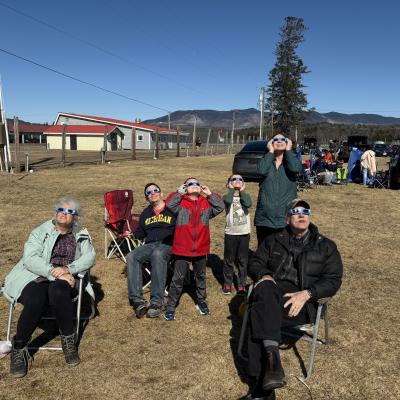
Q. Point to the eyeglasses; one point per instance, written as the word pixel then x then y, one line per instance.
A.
pixel 69 211
pixel 298 211
pixel 236 180
pixel 151 191
pixel 279 139
pixel 193 184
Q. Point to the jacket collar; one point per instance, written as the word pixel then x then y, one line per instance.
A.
pixel 284 236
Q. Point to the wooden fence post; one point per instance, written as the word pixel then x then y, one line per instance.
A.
pixel 133 143
pixel 63 140
pixel 157 152
pixel 16 142
pixel 208 140
pixel 178 142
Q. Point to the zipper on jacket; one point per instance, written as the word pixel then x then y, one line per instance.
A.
pixel 194 227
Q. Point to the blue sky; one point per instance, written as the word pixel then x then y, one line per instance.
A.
pixel 209 54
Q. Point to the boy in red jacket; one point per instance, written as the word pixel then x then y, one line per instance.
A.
pixel 193 205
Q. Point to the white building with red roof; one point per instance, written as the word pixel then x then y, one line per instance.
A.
pixel 145 134
pixel 84 137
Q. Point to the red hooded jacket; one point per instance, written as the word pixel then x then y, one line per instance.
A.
pixel 192 234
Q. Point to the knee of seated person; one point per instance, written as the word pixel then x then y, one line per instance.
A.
pixel 265 288
pixel 158 254
pixel 59 289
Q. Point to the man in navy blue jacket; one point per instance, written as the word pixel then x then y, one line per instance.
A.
pixel 156 230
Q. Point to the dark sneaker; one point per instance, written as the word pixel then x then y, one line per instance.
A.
pixel 203 308
pixel 140 310
pixel 169 316
pixel 227 289
pixel 154 311
pixel 241 291
pixel 68 344
pixel 19 362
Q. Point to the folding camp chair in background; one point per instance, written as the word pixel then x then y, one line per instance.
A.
pixel 118 220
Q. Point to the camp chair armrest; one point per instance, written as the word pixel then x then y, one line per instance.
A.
pixel 324 300
pixel 82 274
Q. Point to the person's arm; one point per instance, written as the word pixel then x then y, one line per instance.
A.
pixel 216 203
pixel 245 199
pixel 33 254
pixel 258 264
pixel 331 278
pixel 228 198
pixel 265 163
pixel 173 202
pixel 140 232
pixel 87 258
pixel 292 162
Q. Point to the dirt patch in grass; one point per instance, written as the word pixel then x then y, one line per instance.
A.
pixel 191 358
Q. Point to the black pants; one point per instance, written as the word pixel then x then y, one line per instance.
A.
pixel 36 297
pixel 265 231
pixel 181 266
pixel 267 318
pixel 236 252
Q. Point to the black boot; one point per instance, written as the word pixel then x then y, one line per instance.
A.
pixel 20 358
pixel 274 376
pixel 68 345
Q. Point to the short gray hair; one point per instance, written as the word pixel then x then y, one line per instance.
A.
pixel 73 203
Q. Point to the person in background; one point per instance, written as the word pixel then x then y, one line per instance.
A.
pixel 368 165
pixel 237 233
pixel 278 169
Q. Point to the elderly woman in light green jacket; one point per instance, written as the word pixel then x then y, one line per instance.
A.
pixel 54 254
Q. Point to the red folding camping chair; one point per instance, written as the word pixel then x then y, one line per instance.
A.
pixel 118 222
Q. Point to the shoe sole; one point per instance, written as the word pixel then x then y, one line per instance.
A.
pixel 169 319
pixel 226 293
pixel 153 315
pixel 274 385
pixel 201 312
pixel 73 364
pixel 18 375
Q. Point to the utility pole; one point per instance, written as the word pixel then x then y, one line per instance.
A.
pixel 208 140
pixel 169 120
pixel 105 143
pixel 157 151
pixel 262 108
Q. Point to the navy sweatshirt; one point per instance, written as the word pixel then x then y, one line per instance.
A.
pixel 153 228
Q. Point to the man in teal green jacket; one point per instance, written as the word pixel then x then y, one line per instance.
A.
pixel 54 254
pixel 279 168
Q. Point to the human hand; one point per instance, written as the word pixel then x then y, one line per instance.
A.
pixel 265 278
pixel 182 189
pixel 58 271
pixel 68 278
pixel 270 146
pixel 243 186
pixel 296 302
pixel 206 190
pixel 229 185
pixel 289 144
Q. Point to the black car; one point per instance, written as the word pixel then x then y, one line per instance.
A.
pixel 245 162
pixel 381 150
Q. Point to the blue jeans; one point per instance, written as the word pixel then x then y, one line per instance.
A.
pixel 366 179
pixel 158 254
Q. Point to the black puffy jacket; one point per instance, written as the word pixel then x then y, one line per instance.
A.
pixel 320 265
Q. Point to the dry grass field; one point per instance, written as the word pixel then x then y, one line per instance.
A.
pixel 193 357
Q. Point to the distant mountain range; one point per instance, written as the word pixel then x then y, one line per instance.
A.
pixel 250 117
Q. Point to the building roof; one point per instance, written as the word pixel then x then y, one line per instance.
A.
pixel 116 122
pixel 96 130
pixel 27 128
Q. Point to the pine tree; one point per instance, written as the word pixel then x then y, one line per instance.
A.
pixel 286 98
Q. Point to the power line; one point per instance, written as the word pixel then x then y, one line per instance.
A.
pixel 95 46
pixel 82 81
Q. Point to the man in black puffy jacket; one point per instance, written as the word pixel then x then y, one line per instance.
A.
pixel 291 270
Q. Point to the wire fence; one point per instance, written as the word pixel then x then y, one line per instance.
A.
pixel 34 156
